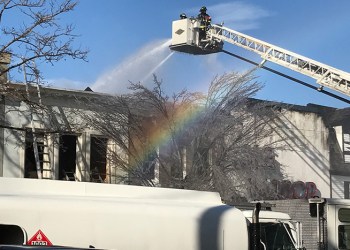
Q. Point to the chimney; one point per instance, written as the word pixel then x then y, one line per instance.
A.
pixel 5 59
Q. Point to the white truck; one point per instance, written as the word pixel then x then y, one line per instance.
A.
pixel 105 216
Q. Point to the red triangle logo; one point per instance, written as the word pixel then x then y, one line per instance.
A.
pixel 39 239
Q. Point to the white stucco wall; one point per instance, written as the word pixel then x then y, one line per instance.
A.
pixel 305 155
pixel 18 116
pixel 13 159
pixel 338 185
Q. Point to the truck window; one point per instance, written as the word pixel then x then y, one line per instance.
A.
pixel 12 235
pixel 344 236
pixel 344 214
pixel 275 236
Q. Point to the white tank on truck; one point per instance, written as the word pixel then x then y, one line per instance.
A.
pixel 105 216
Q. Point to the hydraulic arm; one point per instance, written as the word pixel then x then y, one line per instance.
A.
pixel 325 75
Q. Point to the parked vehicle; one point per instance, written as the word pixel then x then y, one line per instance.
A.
pixel 105 216
pixel 326 221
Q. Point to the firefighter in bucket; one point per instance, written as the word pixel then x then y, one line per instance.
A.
pixel 204 22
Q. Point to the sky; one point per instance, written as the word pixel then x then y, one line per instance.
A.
pixel 128 42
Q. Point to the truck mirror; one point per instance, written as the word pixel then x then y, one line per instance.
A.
pixel 313 204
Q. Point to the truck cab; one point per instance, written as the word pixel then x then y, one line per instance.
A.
pixel 277 230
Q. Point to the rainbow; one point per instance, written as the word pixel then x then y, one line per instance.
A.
pixel 164 130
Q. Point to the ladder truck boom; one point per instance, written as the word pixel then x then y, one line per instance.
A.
pixel 325 75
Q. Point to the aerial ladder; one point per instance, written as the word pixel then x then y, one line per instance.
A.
pixel 186 38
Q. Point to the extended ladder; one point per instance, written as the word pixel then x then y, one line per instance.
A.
pixel 42 156
pixel 325 75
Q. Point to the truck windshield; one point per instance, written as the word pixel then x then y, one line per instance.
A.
pixel 275 236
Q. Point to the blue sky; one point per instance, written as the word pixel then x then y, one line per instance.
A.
pixel 128 41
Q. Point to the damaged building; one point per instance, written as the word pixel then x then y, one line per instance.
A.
pixel 53 131
pixel 315 154
pixel 315 151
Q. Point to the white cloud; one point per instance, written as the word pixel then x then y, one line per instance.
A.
pixel 237 15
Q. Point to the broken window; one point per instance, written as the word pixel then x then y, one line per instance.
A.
pixel 346 141
pixel 148 165
pixel 67 157
pixel 98 159
pixel 30 169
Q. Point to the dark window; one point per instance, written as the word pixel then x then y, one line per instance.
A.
pixel 67 157
pixel 30 170
pixel 148 166
pixel 98 159
pixel 346 143
pixel 344 214
pixel 344 236
pixel 12 235
pixel 275 236
pixel 346 190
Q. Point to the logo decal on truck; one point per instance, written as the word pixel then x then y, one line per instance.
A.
pixel 39 239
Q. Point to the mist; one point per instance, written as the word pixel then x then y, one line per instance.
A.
pixel 139 67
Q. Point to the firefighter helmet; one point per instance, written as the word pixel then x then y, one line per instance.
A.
pixel 203 9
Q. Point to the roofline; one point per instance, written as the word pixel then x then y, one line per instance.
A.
pixel 62 91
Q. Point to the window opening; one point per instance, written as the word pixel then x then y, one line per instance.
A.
pixel 344 214
pixel 148 166
pixel 346 190
pixel 67 157
pixel 346 142
pixel 98 159
pixel 344 236
pixel 12 235
pixel 29 162
pixel 275 236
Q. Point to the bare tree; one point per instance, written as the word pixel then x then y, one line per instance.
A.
pixel 37 33
pixel 220 141
pixel 232 150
